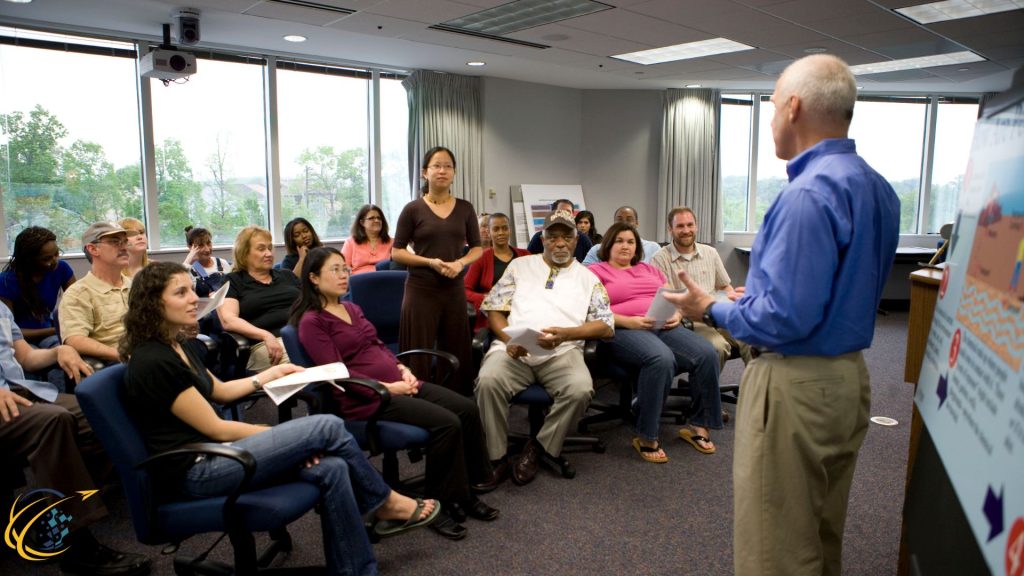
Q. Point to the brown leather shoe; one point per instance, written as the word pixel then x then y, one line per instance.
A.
pixel 525 466
pixel 499 473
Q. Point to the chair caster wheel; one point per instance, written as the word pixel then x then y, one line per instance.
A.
pixel 568 471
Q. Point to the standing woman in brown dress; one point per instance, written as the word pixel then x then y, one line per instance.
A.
pixel 437 226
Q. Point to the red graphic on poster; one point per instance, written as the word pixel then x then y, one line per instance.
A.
pixel 1015 549
pixel 954 349
pixel 944 284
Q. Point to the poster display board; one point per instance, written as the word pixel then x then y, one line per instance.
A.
pixel 532 202
pixel 971 389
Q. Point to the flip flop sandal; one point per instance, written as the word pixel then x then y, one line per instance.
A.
pixel 695 439
pixel 393 527
pixel 648 453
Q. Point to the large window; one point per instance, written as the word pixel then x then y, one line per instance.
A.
pixel 890 133
pixel 771 171
pixel 69 150
pixel 72 153
pixel 324 153
pixel 210 150
pixel 735 154
pixel 954 128
pixel 394 138
pixel 890 137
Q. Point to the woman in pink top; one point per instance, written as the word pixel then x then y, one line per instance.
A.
pixel 658 355
pixel 369 242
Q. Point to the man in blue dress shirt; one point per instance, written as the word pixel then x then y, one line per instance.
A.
pixel 817 269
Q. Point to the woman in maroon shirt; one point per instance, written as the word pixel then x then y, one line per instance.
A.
pixel 334 331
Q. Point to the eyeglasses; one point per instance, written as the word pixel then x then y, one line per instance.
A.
pixel 119 243
pixel 340 270
pixel 373 219
pixel 441 167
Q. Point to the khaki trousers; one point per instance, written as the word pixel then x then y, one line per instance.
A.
pixel 799 425
pixel 566 379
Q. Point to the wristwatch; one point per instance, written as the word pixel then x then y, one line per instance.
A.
pixel 256 384
pixel 708 318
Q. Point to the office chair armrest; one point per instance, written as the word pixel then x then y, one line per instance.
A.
pixel 482 341
pixel 453 362
pixel 243 457
pixel 372 433
pixel 95 363
pixel 210 343
pixel 590 352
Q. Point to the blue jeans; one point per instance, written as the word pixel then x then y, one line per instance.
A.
pixel 351 487
pixel 659 356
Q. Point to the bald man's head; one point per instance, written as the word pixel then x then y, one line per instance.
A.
pixel 825 86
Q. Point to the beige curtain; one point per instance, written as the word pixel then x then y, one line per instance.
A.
pixel 689 173
pixel 445 110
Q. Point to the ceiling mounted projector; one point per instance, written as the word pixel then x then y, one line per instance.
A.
pixel 167 64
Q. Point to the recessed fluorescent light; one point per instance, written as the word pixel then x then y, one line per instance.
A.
pixel 693 85
pixel 476 63
pixel 294 38
pixel 684 51
pixel 19 1
pixel 911 63
pixel 815 50
pixel 957 9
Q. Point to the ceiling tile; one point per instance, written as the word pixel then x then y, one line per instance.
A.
pixel 631 25
pixel 293 13
pixel 578 40
pixel 432 12
pixel 863 23
pixel 377 25
pixel 810 10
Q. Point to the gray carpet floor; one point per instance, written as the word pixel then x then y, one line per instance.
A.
pixel 620 515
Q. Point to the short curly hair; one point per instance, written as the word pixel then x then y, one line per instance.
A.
pixel 145 319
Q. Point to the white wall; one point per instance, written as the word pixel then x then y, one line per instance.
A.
pixel 621 143
pixel 531 136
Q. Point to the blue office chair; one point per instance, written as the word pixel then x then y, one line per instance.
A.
pixel 375 436
pixel 156 522
pixel 380 295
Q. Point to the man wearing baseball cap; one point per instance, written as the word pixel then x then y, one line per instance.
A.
pixel 92 309
pixel 558 297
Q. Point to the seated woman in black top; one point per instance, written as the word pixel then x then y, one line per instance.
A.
pixel 259 298
pixel 299 238
pixel 333 331
pixel 170 391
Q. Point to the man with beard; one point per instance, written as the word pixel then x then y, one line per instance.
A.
pixel 705 267
pixel 92 309
pixel 559 298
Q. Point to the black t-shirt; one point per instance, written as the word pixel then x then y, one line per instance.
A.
pixel 499 267
pixel 265 306
pixel 156 376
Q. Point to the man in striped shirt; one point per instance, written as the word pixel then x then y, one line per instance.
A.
pixel 704 265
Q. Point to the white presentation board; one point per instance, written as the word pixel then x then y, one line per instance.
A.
pixel 532 202
pixel 971 389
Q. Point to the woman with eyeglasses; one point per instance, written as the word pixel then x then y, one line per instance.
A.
pixel 138 246
pixel 31 283
pixel 332 330
pixel 169 392
pixel 369 242
pixel 437 225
